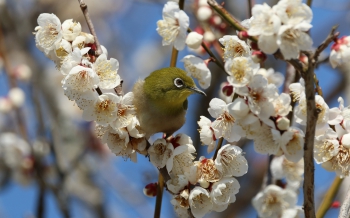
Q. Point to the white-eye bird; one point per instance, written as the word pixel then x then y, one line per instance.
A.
pixel 161 100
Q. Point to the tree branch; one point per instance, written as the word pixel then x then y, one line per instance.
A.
pixel 229 18
pixel 84 9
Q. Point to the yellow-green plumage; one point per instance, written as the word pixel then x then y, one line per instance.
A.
pixel 161 101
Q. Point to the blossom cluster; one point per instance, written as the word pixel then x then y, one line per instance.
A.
pixel 257 112
pixel 284 27
pixel 204 185
pixel 280 200
pixel 340 52
pixel 16 158
pixel 85 76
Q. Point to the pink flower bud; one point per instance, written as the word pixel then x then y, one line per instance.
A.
pixel 150 190
pixel 243 35
pixel 254 46
pixel 258 56
pixel 227 90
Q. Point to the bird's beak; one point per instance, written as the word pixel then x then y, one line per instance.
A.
pixel 195 89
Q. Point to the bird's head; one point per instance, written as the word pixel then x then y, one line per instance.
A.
pixel 170 86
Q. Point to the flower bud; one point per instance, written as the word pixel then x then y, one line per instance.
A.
pixel 303 58
pixel 254 45
pixel 209 36
pixel 243 35
pixel 202 3
pixel 150 190
pixel 23 72
pixel 194 40
pixel 203 183
pixel 215 20
pixel 204 13
pixel 5 105
pixel 345 140
pixel 258 56
pixel 16 96
pixel 283 123
pixel 227 89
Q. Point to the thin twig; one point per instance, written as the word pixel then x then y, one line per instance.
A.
pixel 173 59
pixel 229 18
pixel 211 54
pixel 159 198
pixel 250 6
pixel 84 9
pixel 218 148
pixel 309 3
pixel 328 197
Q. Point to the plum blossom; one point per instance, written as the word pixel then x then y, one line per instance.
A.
pixel 176 184
pixel 194 40
pixel 272 77
pixel 107 71
pixel 160 152
pixel 264 142
pixel 282 105
pixel 322 107
pixel 292 39
pixel 70 30
pixel 240 70
pixel 196 68
pixel 223 193
pixel 49 32
pixel 297 89
pixel 80 83
pixel 174 25
pixel 200 202
pixel 291 142
pixel 292 171
pixel 340 114
pixel 125 111
pixel 73 59
pixel 273 200
pixel 340 52
pixel 181 203
pixel 206 133
pixel 230 161
pixel 265 24
pixel 293 12
pixel 260 96
pixel 103 109
pixel 326 146
pixel 234 47
pixel 225 122
pixel 182 156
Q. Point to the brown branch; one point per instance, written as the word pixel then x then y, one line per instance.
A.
pixel 331 36
pixel 250 6
pixel 84 9
pixel 328 197
pixel 309 2
pixel 159 198
pixel 309 168
pixel 218 148
pixel 229 18
pixel 309 77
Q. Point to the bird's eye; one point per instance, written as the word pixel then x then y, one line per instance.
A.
pixel 178 82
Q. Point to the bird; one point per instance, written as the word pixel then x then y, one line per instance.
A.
pixel 160 100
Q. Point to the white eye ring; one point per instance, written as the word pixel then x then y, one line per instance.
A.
pixel 178 82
